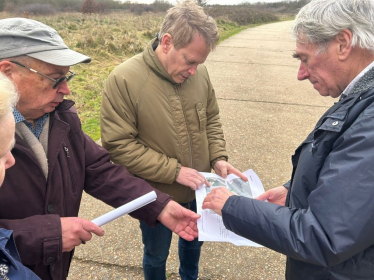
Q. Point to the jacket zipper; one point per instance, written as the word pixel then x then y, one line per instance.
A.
pixel 184 115
pixel 189 136
pixel 66 149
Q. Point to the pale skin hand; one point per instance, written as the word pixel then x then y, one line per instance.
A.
pixel 223 168
pixel 216 199
pixel 191 178
pixel 275 195
pixel 180 220
pixel 76 230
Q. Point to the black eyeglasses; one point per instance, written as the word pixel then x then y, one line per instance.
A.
pixel 57 82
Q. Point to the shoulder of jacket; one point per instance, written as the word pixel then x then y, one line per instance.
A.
pixel 134 66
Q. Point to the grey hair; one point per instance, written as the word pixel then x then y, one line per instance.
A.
pixel 185 20
pixel 8 96
pixel 320 21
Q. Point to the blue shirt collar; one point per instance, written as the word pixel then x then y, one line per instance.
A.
pixel 38 122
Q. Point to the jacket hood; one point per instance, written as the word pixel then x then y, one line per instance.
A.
pixel 154 63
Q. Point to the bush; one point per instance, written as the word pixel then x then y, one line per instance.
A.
pixel 138 9
pixel 89 7
pixel 161 6
pixel 242 14
pixel 37 9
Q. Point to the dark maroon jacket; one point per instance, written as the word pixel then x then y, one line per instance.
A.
pixel 32 206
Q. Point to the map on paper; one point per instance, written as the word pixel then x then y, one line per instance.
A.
pixel 210 225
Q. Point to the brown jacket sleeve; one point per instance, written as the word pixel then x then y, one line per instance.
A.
pixel 37 237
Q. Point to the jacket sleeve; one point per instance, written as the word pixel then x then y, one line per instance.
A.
pixel 119 136
pixel 339 222
pixel 114 185
pixel 217 143
pixel 38 238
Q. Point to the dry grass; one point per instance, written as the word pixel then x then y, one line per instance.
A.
pixel 108 39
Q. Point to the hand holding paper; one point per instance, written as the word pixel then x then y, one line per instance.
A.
pixel 76 231
pixel 211 227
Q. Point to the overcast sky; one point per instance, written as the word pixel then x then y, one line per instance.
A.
pixel 212 2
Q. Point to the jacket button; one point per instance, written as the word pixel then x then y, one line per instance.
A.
pixel 50 207
pixel 335 123
pixel 50 259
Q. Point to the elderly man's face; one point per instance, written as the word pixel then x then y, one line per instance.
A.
pixel 7 127
pixel 37 96
pixel 321 69
pixel 181 64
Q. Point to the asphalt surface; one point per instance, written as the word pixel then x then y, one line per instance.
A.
pixel 265 113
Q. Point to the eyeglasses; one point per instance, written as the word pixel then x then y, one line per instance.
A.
pixel 57 82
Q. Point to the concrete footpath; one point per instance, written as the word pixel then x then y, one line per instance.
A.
pixel 265 113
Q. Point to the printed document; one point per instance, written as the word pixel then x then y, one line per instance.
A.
pixel 210 225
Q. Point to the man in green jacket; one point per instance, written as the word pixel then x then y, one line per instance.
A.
pixel 160 119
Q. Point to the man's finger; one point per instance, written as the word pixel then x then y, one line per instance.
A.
pixel 238 173
pixel 263 196
pixel 91 227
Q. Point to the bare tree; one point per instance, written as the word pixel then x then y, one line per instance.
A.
pixel 202 3
pixel 89 7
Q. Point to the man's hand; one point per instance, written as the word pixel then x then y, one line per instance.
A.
pixel 276 195
pixel 216 199
pixel 76 231
pixel 180 220
pixel 223 168
pixel 191 178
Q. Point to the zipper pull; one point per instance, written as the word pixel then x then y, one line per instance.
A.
pixel 67 152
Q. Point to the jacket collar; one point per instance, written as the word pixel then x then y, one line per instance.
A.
pixel 66 104
pixel 154 63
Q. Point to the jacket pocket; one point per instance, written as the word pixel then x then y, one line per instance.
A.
pixel 201 113
pixel 333 125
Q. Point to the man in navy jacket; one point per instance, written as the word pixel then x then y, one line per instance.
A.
pixel 323 219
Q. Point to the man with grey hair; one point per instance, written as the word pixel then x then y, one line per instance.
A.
pixel 323 219
pixel 160 119
pixel 56 161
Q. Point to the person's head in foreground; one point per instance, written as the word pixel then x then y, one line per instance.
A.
pixel 334 42
pixel 8 99
pixel 36 59
pixel 186 38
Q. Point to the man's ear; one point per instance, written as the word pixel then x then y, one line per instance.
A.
pixel 344 43
pixel 6 68
pixel 166 43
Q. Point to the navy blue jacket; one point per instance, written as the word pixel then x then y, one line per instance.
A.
pixel 327 230
pixel 10 258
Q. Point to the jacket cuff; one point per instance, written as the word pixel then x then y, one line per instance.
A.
pixel 52 242
pixel 213 162
pixel 287 185
pixel 178 169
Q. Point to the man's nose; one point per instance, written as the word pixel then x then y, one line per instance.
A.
pixel 10 161
pixel 63 88
pixel 192 70
pixel 303 73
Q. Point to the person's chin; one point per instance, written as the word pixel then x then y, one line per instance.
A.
pixel 52 106
pixel 181 79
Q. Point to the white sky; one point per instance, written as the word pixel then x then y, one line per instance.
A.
pixel 212 2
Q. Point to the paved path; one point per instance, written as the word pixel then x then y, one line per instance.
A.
pixel 266 113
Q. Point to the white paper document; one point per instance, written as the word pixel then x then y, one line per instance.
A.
pixel 125 209
pixel 210 225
